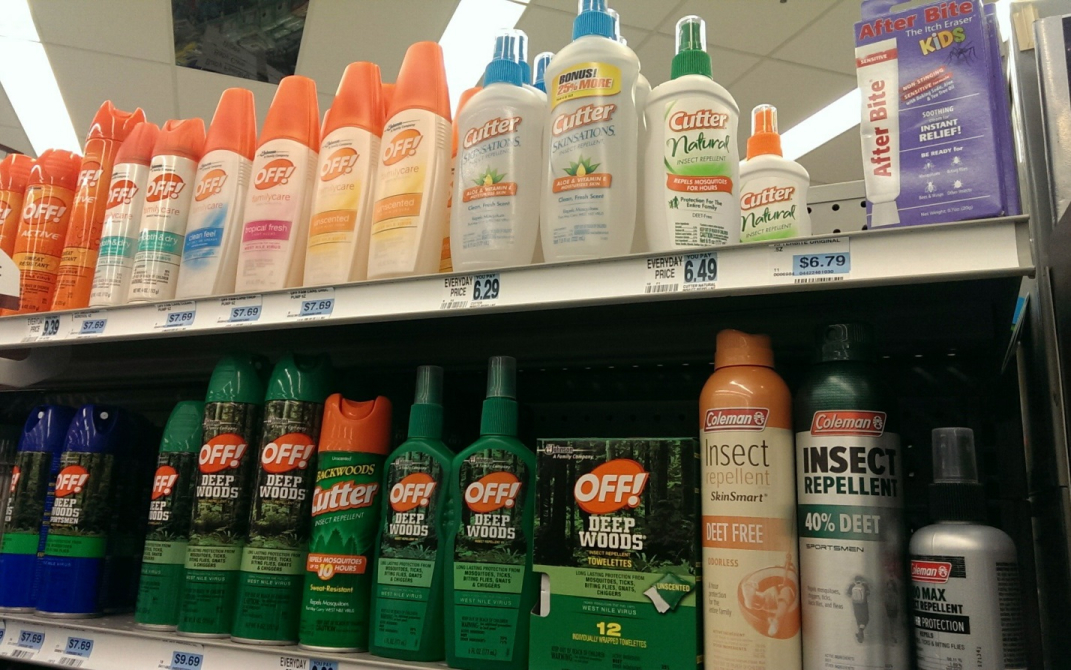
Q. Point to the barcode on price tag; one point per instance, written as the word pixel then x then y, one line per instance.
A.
pixel 88 324
pixel 811 261
pixel 663 274
pixel 244 309
pixel 42 328
pixel 316 303
pixel 175 315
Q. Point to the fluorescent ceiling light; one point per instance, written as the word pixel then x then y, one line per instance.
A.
pixel 30 83
pixel 1004 20
pixel 839 116
pixel 468 41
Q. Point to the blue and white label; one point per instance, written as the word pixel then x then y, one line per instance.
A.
pixel 78 646
pixel 205 238
pixel 700 271
pixel 88 324
pixel 317 303
pixel 239 310
pixel 185 660
pixel 175 315
pixel 317 664
pixel 31 639
pixel 810 261
pixel 486 290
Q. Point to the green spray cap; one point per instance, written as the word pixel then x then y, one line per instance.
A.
pixel 238 378
pixel 426 417
pixel 183 430
pixel 692 56
pixel 500 407
pixel 300 377
pixel 845 342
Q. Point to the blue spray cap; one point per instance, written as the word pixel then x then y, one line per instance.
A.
pixel 522 56
pixel 505 67
pixel 98 429
pixel 541 62
pixel 46 428
pixel 593 19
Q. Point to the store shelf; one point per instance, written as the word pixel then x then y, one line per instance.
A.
pixel 940 253
pixel 113 642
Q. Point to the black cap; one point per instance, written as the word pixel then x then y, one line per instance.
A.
pixel 844 342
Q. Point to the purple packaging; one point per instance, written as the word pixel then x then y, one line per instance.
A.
pixel 936 148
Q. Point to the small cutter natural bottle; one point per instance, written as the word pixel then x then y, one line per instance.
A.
pixel 965 585
pixel 489 583
pixel 14 176
pixel 773 189
pixel 692 160
pixel 407 597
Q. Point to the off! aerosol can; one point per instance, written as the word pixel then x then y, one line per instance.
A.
pixel 750 574
pixel 171 501
pixel 32 495
pixel 220 513
pixel 72 568
pixel 273 560
pixel 345 518
pixel 965 585
pixel 850 513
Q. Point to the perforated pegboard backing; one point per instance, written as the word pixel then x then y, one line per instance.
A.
pixel 837 208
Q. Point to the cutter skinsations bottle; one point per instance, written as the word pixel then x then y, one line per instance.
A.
pixel 965 587
pixel 342 207
pixel 413 176
pixel 224 486
pixel 692 161
pixel 446 260
pixel 109 130
pixel 495 220
pixel 14 176
pixel 122 219
pixel 407 613
pixel 277 207
pixel 849 486
pixel 490 586
pixel 340 568
pixel 750 573
pixel 210 249
pixel 167 207
pixel 591 140
pixel 173 485
pixel 272 576
pixel 773 190
pixel 46 211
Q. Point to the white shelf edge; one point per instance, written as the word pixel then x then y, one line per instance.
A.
pixel 921 254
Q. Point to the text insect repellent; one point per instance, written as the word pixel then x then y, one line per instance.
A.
pixel 14 176
pixel 495 213
pixel 109 130
pixel 413 177
pixel 773 189
pixel 214 227
pixel 167 207
pixel 342 206
pixel 591 140
pixel 407 596
pixel 692 160
pixel 278 205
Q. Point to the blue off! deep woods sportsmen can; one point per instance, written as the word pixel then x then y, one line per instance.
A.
pixel 26 517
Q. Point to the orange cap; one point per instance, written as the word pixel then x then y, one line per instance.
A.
pixel 294 113
pixel 764 137
pixel 137 147
pixel 737 348
pixel 181 137
pixel 57 167
pixel 358 101
pixel 15 172
pixel 386 94
pixel 234 125
pixel 350 425
pixel 422 81
pixel 114 124
pixel 465 97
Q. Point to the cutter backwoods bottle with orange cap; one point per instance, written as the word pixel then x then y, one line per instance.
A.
pixel 751 615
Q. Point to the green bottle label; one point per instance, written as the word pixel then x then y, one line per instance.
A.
pixel 409 545
pixel 29 490
pixel 82 512
pixel 273 564
pixel 220 518
pixel 490 552
pixel 338 572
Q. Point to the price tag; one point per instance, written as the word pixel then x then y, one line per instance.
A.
pixel 175 315
pixel 486 290
pixel 310 304
pixel 317 664
pixel 78 646
pixel 245 309
pixel 811 261
pixel 186 660
pixel 664 274
pixel 88 324
pixel 31 639
pixel 42 328
pixel 700 271
pixel 463 291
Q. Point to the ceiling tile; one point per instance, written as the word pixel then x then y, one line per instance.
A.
pixel 134 28
pixel 550 30
pixel 754 26
pixel 199 92
pixel 797 91
pixel 641 13
pixel 656 55
pixel 16 139
pixel 828 43
pixel 838 160
pixel 7 112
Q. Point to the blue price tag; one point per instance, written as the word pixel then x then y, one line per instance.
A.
pixel 700 269
pixel 317 664
pixel 184 660
pixel 486 288
pixel 822 263
pixel 93 327
pixel 322 307
pixel 245 314
pixel 79 646
pixel 184 318
pixel 31 639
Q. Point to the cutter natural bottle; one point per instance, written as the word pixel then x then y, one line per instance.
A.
pixel 349 153
pixel 446 260
pixel 773 190
pixel 489 582
pixel 495 218
pixel 14 176
pixel 109 130
pixel 591 140
pixel 407 613
pixel 122 219
pixel 964 573
pixel 168 197
pixel 213 230
pixel 277 207
pixel 341 567
pixel 413 176
pixel 692 166
pixel 173 486
pixel 750 564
